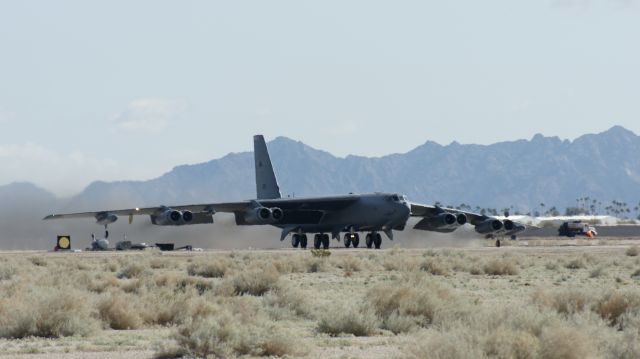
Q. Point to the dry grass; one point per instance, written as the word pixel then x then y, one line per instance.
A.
pixel 46 312
pixel 255 281
pixel 213 269
pixel 406 303
pixel 633 251
pixel 349 318
pixel 500 266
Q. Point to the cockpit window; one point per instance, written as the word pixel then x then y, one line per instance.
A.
pixel 395 197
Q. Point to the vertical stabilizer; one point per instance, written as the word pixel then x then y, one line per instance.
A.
pixel 266 183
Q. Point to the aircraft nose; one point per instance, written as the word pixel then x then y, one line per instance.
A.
pixel 405 210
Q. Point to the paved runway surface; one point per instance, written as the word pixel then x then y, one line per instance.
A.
pixel 603 231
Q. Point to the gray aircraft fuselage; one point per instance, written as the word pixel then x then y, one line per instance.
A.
pixel 368 212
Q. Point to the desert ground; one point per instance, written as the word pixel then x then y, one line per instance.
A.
pixel 539 298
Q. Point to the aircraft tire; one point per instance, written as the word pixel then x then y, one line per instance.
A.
pixel 303 241
pixel 355 241
pixel 295 241
pixel 325 241
pixel 317 241
pixel 347 241
pixel 514 237
pixel 368 241
pixel 377 240
pixel 498 243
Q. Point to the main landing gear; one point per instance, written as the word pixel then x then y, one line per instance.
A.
pixel 373 239
pixel 351 239
pixel 321 239
pixel 299 240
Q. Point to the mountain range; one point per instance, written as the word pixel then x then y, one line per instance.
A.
pixel 519 174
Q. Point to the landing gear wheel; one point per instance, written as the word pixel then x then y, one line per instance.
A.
pixel 498 243
pixel 303 241
pixel 368 241
pixel 295 241
pixel 325 241
pixel 347 240
pixel 377 240
pixel 514 237
pixel 317 241
pixel 355 240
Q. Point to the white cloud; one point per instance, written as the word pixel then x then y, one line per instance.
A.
pixel 62 173
pixel 149 115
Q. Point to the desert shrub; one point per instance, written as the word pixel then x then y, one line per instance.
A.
pixel 563 342
pixel 596 273
pixel 564 301
pixel 350 263
pixel 438 345
pixel 316 265
pixel 202 285
pixel 399 323
pixel 500 266
pixel 511 343
pixel 434 266
pixel 225 334
pixel 255 281
pixel 576 263
pixel 613 306
pixel 46 312
pixel 417 303
pixel 633 251
pixel 38 261
pixel 551 266
pixel 118 311
pixel 132 270
pixel 288 299
pixel 158 263
pixel 215 269
pixel 7 271
pixel 207 336
pixel 624 346
pixel 358 320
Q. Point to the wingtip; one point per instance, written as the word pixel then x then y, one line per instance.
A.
pixel 51 216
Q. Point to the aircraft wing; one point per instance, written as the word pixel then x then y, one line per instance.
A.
pixel 428 211
pixel 196 208
pixel 289 205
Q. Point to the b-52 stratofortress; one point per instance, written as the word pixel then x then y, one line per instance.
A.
pixel 321 216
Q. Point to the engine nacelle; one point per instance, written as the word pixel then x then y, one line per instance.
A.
pixel 105 218
pixel 263 215
pixel 169 217
pixel 508 225
pixel 277 214
pixel 461 218
pixel 187 216
pixel 443 220
pixel 489 225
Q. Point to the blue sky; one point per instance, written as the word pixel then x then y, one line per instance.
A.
pixel 129 89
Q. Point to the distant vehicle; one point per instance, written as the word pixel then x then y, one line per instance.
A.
pixel 577 228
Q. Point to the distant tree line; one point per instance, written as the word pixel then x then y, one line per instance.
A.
pixel 585 206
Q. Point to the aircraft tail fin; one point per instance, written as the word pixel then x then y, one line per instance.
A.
pixel 266 183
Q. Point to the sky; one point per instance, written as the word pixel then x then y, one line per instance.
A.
pixel 121 90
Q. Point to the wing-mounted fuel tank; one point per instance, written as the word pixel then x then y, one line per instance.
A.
pixel 259 215
pixel 444 222
pixel 171 217
pixel 489 225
